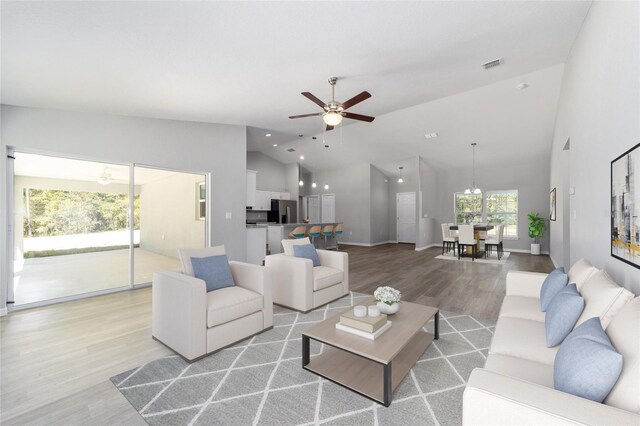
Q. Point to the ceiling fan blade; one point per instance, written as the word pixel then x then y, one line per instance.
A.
pixel 356 99
pixel 313 99
pixel 329 128
pixel 306 115
pixel 360 117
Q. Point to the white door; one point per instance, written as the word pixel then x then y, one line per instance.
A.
pixel 406 217
pixel 328 208
pixel 314 209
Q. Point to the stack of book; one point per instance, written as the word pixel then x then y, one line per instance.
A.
pixel 367 327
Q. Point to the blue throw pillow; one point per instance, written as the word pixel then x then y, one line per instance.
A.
pixel 214 270
pixel 554 282
pixel 587 365
pixel 563 313
pixel 308 251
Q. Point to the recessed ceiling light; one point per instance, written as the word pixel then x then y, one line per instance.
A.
pixel 302 157
pixel 522 86
pixel 431 135
pixel 275 144
pixel 268 135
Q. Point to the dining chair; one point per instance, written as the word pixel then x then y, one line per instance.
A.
pixel 448 241
pixel 466 239
pixel 493 241
pixel 501 236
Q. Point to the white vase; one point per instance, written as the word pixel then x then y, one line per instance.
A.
pixel 535 249
pixel 388 309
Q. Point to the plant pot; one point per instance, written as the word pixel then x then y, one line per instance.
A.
pixel 535 249
pixel 388 309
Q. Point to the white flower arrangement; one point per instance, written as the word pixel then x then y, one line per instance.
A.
pixel 388 295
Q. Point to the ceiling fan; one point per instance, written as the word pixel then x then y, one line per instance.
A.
pixel 335 111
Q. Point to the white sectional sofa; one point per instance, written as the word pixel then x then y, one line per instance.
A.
pixel 516 384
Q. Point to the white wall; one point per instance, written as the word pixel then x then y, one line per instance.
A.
pixel 429 231
pixel 599 110
pixel 189 146
pixel 271 173
pixel 353 199
pixel 168 214
pixel 379 208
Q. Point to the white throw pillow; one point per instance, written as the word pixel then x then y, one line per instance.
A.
pixel 602 298
pixel 187 254
pixel 623 331
pixel 580 272
pixel 287 245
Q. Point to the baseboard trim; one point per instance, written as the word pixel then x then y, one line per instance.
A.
pixel 426 247
pixel 524 251
pixel 347 243
pixel 3 312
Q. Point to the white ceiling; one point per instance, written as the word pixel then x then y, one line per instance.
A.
pixel 247 62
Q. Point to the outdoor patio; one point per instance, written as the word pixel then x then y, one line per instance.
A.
pixel 52 277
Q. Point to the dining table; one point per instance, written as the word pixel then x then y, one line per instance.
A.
pixel 476 235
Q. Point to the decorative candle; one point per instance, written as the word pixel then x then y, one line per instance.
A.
pixel 374 311
pixel 360 311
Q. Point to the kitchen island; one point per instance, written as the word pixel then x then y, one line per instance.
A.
pixel 279 232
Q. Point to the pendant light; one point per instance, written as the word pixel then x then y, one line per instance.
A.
pixel 400 180
pixel 474 189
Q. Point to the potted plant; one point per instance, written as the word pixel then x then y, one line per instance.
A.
pixel 537 226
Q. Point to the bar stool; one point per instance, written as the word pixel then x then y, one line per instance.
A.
pixel 338 230
pixel 314 232
pixel 298 232
pixel 327 231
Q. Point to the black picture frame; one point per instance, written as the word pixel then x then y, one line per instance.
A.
pixel 625 193
pixel 552 202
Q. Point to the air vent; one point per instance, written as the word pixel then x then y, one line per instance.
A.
pixel 291 150
pixel 492 64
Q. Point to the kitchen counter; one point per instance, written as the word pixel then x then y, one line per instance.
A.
pixel 280 231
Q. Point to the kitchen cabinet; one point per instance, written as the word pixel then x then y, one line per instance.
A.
pixel 251 188
pixel 280 196
pixel 263 200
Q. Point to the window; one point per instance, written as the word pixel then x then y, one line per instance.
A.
pixel 491 207
pixel 468 208
pixel 201 201
pixel 502 209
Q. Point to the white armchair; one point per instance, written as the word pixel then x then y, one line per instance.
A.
pixel 195 323
pixel 299 285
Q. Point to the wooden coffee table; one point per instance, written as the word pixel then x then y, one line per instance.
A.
pixel 371 368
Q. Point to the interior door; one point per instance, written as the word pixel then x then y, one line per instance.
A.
pixel 328 208
pixel 406 217
pixel 314 209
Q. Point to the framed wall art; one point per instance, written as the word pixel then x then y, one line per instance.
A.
pixel 625 192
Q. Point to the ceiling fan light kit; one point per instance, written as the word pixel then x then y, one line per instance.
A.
pixel 335 111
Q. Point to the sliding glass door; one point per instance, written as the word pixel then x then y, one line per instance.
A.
pixel 85 227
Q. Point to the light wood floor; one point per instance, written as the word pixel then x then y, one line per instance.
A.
pixel 56 361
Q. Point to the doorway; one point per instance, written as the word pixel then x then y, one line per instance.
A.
pixel 328 208
pixel 314 209
pixel 406 217
pixel 87 227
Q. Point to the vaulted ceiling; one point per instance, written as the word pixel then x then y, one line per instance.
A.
pixel 247 62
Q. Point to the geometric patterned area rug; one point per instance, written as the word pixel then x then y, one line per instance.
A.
pixel 260 380
pixel 493 259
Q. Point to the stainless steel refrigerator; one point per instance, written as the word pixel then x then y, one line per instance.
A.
pixel 283 211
